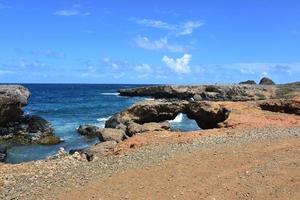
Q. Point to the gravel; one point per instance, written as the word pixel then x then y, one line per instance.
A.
pixel 38 180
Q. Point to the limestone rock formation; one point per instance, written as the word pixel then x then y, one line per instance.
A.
pixel 12 99
pixel 2 154
pixel 279 105
pixel 18 128
pixel 110 134
pixel 200 92
pixel 206 114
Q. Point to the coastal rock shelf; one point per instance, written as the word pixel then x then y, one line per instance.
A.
pixel 279 105
pixel 206 114
pixel 204 92
pixel 149 116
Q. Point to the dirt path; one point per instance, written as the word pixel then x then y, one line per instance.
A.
pixel 262 170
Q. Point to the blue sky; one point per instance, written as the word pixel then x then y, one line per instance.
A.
pixel 134 41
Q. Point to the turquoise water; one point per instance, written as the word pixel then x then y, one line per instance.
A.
pixel 66 106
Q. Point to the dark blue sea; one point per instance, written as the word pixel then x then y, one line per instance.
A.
pixel 66 106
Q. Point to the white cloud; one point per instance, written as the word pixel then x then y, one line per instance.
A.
pixel 49 53
pixel 180 65
pixel 160 45
pixel 188 28
pixel 185 28
pixel 73 11
pixel 143 68
pixel 154 23
pixel 4 72
pixel 110 63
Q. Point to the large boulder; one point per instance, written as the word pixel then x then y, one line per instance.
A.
pixel 12 99
pixel 88 130
pixel 266 81
pixel 97 150
pixel 135 128
pixel 111 134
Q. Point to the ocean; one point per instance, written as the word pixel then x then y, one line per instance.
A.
pixel 66 106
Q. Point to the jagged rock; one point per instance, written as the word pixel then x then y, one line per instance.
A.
pixel 110 134
pixel 135 128
pixel 2 154
pixel 201 92
pixel 88 130
pixel 280 105
pixel 29 130
pixel 266 81
pixel 12 99
pixel 248 82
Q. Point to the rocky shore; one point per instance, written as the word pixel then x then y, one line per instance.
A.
pixel 17 128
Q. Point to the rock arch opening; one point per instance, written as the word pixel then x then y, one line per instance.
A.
pixel 182 123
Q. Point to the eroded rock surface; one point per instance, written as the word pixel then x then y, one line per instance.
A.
pixel 12 99
pixel 17 128
pixel 282 105
pixel 206 114
pixel 202 92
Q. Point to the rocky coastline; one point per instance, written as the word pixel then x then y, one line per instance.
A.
pixel 17 128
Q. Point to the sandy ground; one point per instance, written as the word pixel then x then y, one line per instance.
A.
pixel 263 170
pixel 255 155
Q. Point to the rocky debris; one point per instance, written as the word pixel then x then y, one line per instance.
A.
pixel 12 99
pixel 248 82
pixel 135 128
pixel 201 92
pixel 110 134
pixel 266 81
pixel 280 105
pixel 98 150
pixel 2 154
pixel 88 130
pixel 206 114
pixel 29 130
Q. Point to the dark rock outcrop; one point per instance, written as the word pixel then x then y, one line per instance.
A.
pixel 88 130
pixel 283 106
pixel 18 128
pixel 29 130
pixel 248 82
pixel 2 154
pixel 266 81
pixel 201 92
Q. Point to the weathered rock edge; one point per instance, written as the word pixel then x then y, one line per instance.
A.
pixel 243 92
pixel 16 128
pixel 281 105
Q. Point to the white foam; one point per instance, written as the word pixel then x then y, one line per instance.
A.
pixel 111 93
pixel 103 119
pixel 177 119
